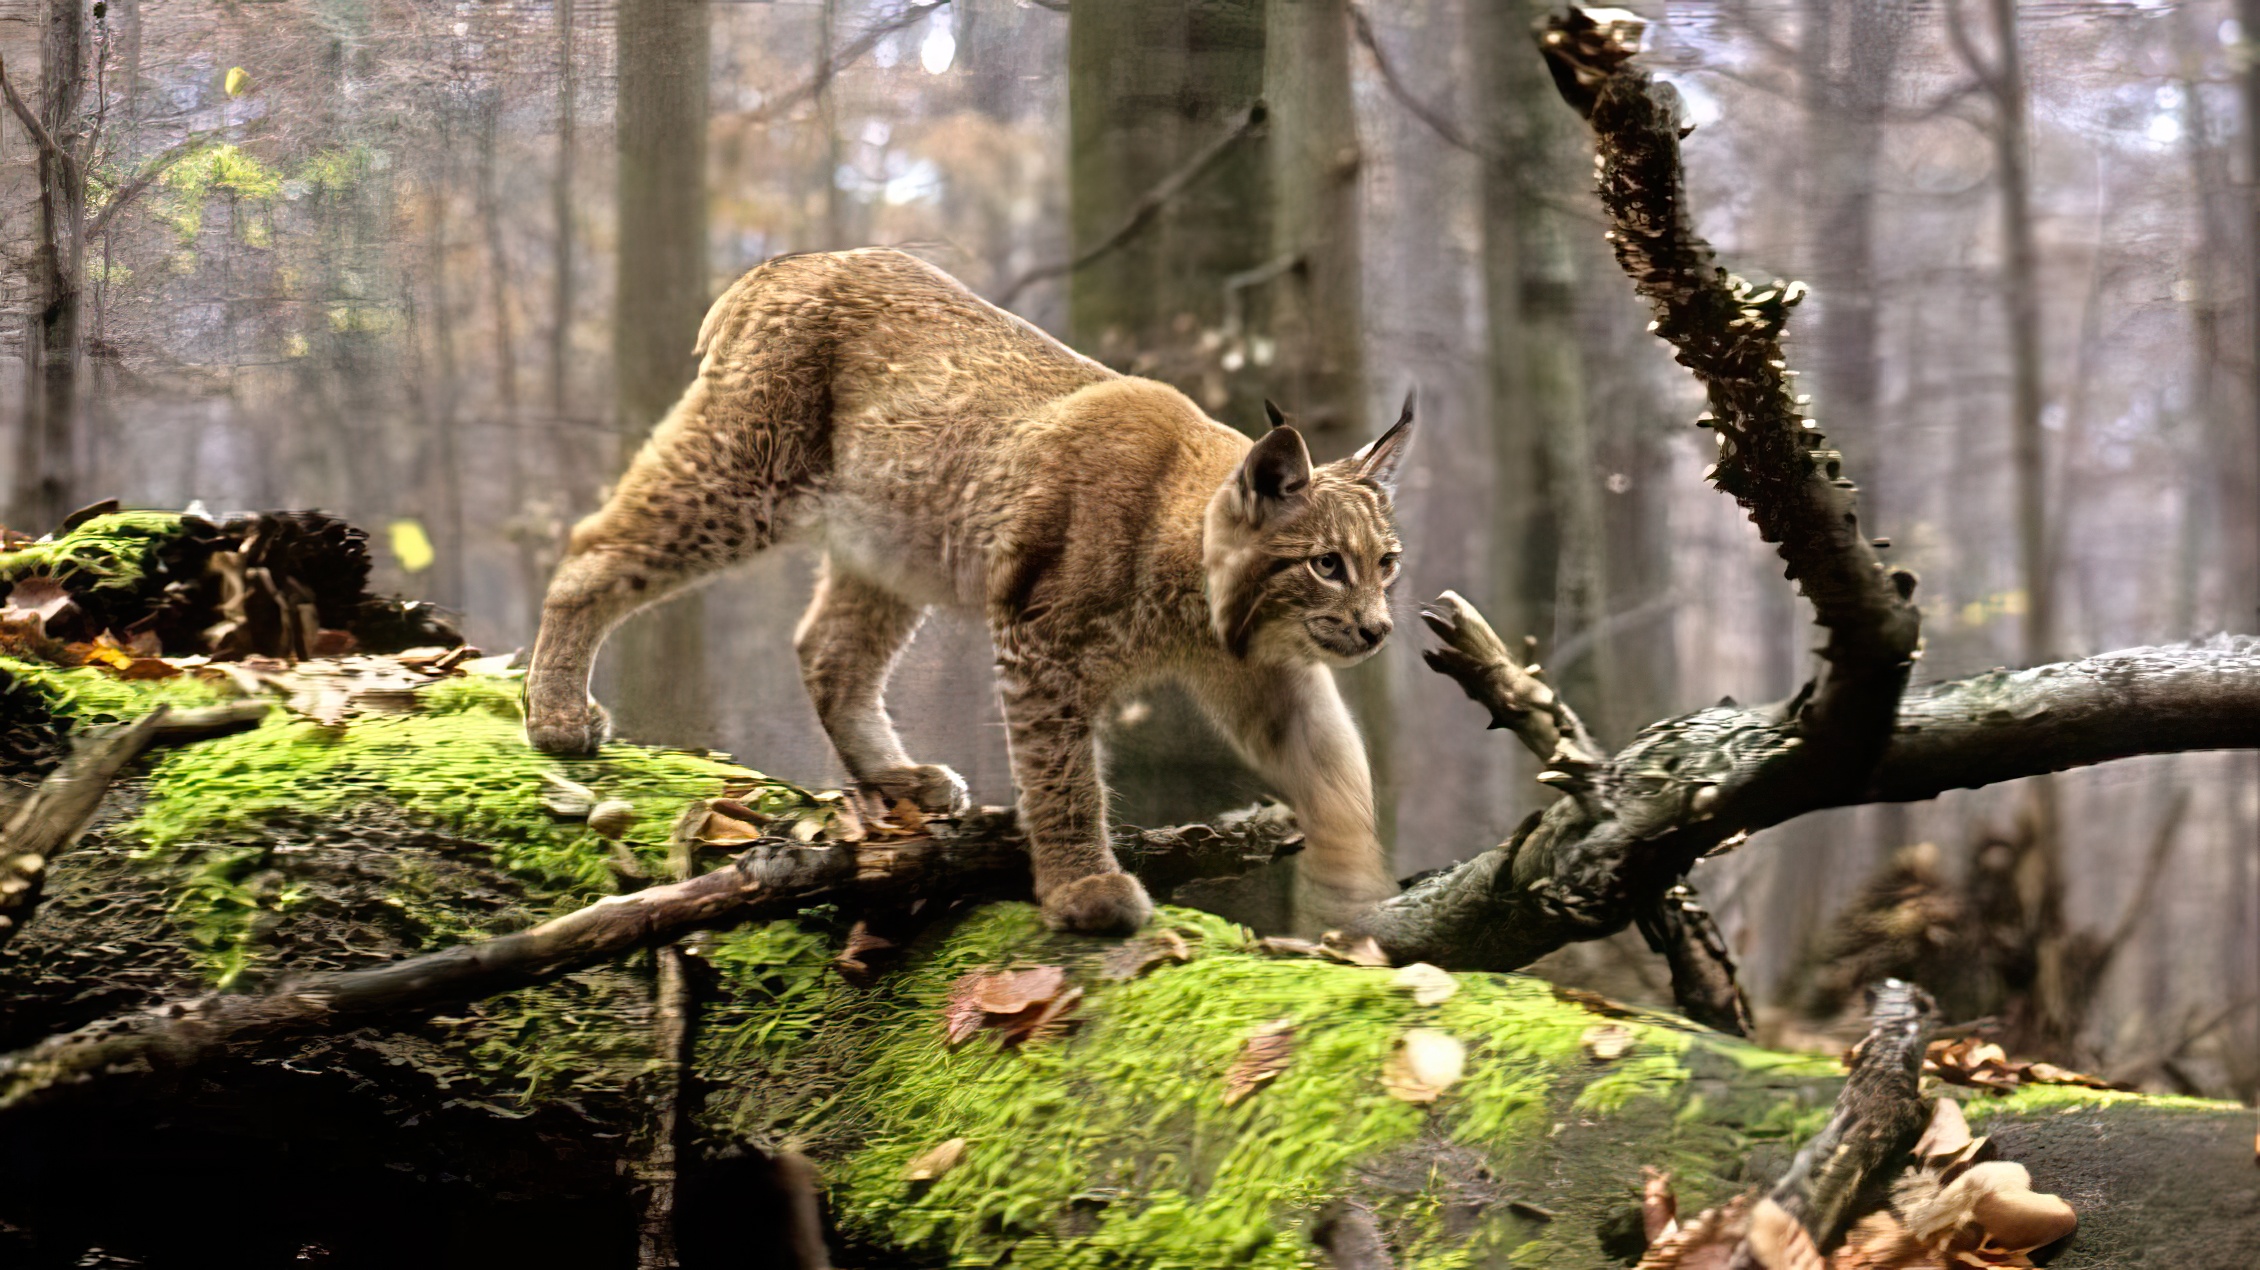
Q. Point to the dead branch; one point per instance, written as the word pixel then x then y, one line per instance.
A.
pixel 848 56
pixel 1684 786
pixel 40 137
pixel 1438 122
pixel 142 180
pixel 1144 208
pixel 1846 1171
pixel 1517 694
pixel 45 824
pixel 1702 967
pixel 1728 332
pixel 983 857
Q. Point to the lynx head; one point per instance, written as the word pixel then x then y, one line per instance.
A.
pixel 1300 558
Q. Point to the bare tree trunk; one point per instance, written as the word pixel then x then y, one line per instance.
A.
pixel 1317 314
pixel 661 292
pixel 1546 568
pixel 561 213
pixel 47 475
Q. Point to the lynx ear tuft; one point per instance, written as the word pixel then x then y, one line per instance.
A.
pixel 1272 412
pixel 1277 469
pixel 1379 460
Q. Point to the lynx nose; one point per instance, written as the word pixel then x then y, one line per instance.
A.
pixel 1374 632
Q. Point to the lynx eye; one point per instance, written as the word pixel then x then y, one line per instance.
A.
pixel 1388 567
pixel 1328 567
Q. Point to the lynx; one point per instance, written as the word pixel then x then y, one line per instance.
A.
pixel 941 451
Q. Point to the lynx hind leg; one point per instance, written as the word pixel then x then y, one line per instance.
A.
pixel 848 642
pixel 1062 802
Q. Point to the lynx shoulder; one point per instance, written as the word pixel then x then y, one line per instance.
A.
pixel 940 451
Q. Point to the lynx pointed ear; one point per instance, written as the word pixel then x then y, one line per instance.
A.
pixel 1276 469
pixel 1272 412
pixel 1379 460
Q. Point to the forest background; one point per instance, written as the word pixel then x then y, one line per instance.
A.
pixel 436 267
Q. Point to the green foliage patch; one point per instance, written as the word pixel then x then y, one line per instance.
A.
pixel 112 552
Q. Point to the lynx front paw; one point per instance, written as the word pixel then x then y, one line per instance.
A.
pixel 1101 904
pixel 930 787
pixel 564 734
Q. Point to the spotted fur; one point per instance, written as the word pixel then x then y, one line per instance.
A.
pixel 941 451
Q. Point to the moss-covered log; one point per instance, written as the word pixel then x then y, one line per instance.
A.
pixel 511 1128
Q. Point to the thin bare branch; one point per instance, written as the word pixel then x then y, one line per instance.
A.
pixel 39 135
pixel 848 56
pixel 1438 122
pixel 143 179
pixel 1144 209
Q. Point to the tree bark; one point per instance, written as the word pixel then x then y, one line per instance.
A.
pixel 661 291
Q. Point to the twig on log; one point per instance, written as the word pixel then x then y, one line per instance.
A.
pixel 45 824
pixel 1142 210
pixel 1846 1171
pixel 983 857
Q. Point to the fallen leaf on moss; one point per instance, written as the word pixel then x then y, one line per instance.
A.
pixel 1135 957
pixel 1018 1003
pixel 727 830
pixel 1984 1065
pixel 1429 985
pixel 1425 1064
pixel 1266 1053
pixel 859 960
pixel 1606 1042
pixel 1779 1242
pixel 1289 946
pixel 1946 1144
pixel 935 1161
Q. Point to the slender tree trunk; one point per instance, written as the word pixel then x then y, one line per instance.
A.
pixel 443 471
pixel 1546 548
pixel 2042 869
pixel 1317 314
pixel 47 476
pixel 1150 83
pixel 660 294
pixel 561 214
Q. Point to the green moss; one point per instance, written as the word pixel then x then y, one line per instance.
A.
pixel 88 694
pixel 106 553
pixel 2040 1100
pixel 1114 1147
pixel 459 763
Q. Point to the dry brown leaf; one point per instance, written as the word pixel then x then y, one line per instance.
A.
pixel 1362 951
pixel 1425 1064
pixel 935 1161
pixel 1135 957
pixel 1429 985
pixel 727 830
pixel 1982 1064
pixel 1707 1242
pixel 1042 1019
pixel 907 817
pixel 1607 1042
pixel 149 668
pixel 1266 1053
pixel 1779 1241
pixel 1659 1207
pixel 1019 1003
pixel 859 960
pixel 1946 1143
pixel 1990 1210
pixel 37 598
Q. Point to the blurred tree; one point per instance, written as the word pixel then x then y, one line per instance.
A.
pixel 660 293
pixel 1317 310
